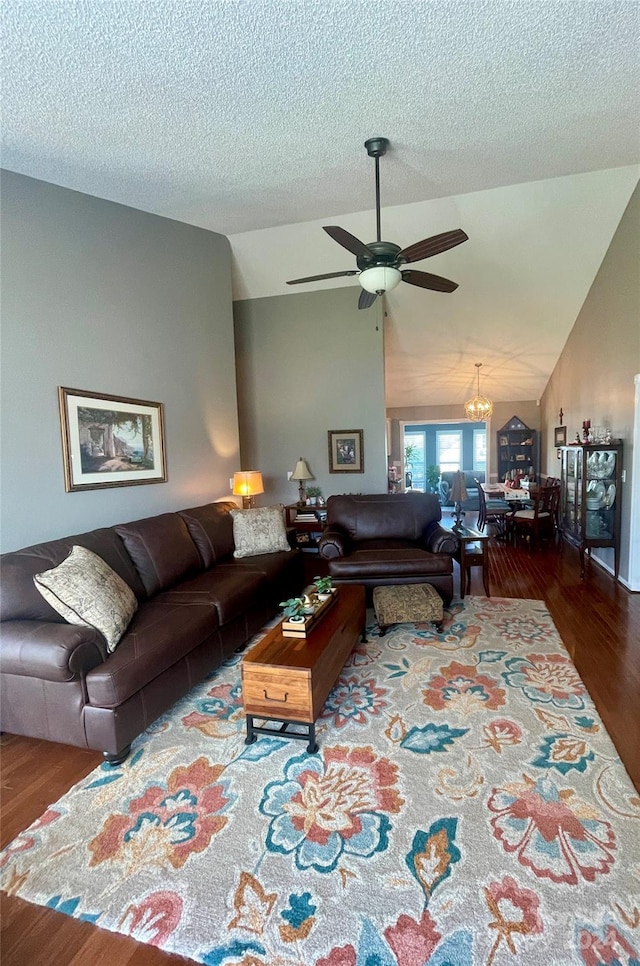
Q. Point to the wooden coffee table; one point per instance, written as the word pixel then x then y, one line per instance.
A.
pixel 287 679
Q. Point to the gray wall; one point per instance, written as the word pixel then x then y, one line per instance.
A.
pixel 308 363
pixel 102 297
pixel 594 376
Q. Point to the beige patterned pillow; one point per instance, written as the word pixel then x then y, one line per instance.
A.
pixel 260 530
pixel 85 590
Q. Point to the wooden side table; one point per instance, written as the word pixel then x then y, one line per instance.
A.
pixel 307 531
pixel 472 552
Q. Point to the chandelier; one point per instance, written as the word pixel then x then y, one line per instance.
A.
pixel 479 408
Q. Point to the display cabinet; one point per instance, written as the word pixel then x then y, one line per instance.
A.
pixel 518 451
pixel 590 498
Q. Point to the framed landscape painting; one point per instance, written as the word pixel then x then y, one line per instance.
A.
pixel 110 440
pixel 346 451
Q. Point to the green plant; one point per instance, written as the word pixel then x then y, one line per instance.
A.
pixel 314 492
pixel 322 584
pixel 410 454
pixel 294 607
pixel 431 478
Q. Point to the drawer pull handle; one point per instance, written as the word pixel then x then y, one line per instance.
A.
pixel 279 700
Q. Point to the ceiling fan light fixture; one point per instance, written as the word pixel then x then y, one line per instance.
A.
pixel 379 279
pixel 479 408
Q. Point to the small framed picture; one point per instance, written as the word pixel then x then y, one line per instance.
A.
pixel 504 440
pixel 110 440
pixel 560 436
pixel 346 451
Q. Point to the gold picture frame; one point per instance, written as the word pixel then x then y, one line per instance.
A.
pixel 110 440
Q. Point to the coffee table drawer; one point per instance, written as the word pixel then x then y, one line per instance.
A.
pixel 277 693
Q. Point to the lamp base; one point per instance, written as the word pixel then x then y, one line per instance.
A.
pixel 459 513
pixel 248 503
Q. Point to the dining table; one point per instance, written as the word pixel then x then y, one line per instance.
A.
pixel 504 492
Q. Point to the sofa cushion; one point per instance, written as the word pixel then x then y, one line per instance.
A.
pixel 85 590
pixel 19 599
pixel 159 636
pixel 211 529
pixel 232 591
pixel 161 549
pixel 260 530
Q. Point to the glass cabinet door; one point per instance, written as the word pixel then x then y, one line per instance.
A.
pixel 600 494
pixel 571 496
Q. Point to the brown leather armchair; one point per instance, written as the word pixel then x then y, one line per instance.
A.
pixel 388 538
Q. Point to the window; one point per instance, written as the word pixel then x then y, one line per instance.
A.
pixel 414 460
pixel 480 449
pixel 449 450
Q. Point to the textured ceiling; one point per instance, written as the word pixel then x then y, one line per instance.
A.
pixel 240 116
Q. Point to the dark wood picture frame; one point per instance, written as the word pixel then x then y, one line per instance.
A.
pixel 560 436
pixel 110 440
pixel 346 451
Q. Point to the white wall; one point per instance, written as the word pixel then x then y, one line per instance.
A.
pixel 308 363
pixel 102 297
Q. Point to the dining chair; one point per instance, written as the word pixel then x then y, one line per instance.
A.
pixel 492 511
pixel 538 522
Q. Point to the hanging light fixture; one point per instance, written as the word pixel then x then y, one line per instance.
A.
pixel 479 408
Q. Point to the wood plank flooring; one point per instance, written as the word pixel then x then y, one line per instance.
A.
pixel 598 620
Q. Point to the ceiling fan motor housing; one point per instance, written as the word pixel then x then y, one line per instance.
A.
pixel 379 272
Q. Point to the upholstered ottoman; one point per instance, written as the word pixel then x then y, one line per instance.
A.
pixel 407 604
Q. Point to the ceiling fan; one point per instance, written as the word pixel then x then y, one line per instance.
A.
pixel 380 263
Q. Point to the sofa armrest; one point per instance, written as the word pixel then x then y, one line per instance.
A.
pixel 334 542
pixel 437 539
pixel 51 651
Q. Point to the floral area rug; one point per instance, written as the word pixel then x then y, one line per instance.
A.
pixel 466 806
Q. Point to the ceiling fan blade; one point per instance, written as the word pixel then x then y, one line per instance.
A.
pixel 426 280
pixel 366 299
pixel 434 245
pixel 317 278
pixel 347 240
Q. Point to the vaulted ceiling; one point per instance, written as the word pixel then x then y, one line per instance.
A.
pixel 517 122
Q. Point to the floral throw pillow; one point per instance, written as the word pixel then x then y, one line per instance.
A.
pixel 85 590
pixel 260 530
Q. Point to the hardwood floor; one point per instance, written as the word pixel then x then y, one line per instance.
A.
pixel 598 620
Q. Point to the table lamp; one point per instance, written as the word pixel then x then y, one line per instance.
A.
pixel 247 484
pixel 300 475
pixel 458 494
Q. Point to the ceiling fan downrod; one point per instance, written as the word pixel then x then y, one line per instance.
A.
pixel 377 148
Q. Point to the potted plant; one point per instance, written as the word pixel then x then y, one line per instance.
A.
pixel 410 456
pixel 293 609
pixel 313 492
pixel 323 586
pixel 431 478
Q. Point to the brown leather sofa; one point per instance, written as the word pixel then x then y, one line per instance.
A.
pixel 197 604
pixel 384 538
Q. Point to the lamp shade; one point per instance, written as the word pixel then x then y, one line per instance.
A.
pixel 459 489
pixel 379 279
pixel 247 483
pixel 302 471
